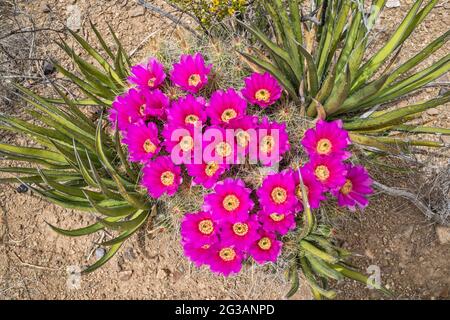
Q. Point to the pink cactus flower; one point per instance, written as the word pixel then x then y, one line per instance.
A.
pixel 142 141
pixel 277 193
pixel 149 75
pixel 261 89
pixel 161 176
pixel 225 106
pixel 191 73
pixel 266 248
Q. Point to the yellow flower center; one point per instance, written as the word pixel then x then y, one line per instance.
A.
pixel 186 143
pixel 347 187
pixel 322 173
pixel 262 95
pixel 277 217
pixel 228 114
pixel 149 146
pixel 167 178
pixel 324 146
pixel 223 149
pixel 267 144
pixel 227 254
pixel 142 110
pixel 211 168
pixel 240 229
pixel 243 138
pixel 265 243
pixel 298 192
pixel 191 119
pixel 151 82
pixel 279 195
pixel 206 227
pixel 230 202
pixel 206 246
pixel 194 79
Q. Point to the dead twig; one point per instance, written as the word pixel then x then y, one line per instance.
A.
pixel 409 196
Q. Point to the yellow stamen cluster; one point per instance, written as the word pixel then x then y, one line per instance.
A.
pixel 262 95
pixel 227 254
pixel 324 146
pixel 240 229
pixel 194 79
pixel 191 119
pixel 206 227
pixel 243 138
pixel 265 243
pixel 347 187
pixel 186 143
pixel 211 168
pixel 277 217
pixel 149 146
pixel 228 114
pixel 322 173
pixel 230 202
pixel 223 149
pixel 267 144
pixel 167 178
pixel 279 195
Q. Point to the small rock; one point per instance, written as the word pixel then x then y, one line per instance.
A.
pixel 48 68
pixel 393 3
pixel 129 254
pixel 22 188
pixel 125 275
pixel 46 8
pixel 162 274
pixel 446 139
pixel 369 254
pixel 99 253
pixel 433 112
pixel 73 18
pixel 137 12
pixel 443 91
pixel 443 234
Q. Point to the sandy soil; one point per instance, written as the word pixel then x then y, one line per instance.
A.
pixel 35 262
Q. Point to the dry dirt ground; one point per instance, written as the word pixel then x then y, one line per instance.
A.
pixel 35 262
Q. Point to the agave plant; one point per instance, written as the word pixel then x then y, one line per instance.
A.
pixel 78 164
pixel 319 59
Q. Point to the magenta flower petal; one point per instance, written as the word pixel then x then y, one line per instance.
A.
pixel 314 188
pixel 266 248
pixel 225 106
pixel 280 223
pixel 273 142
pixel 241 234
pixel 191 73
pixel 329 171
pixel 219 146
pixel 327 139
pixel 187 111
pixel 120 114
pixel 199 228
pixel 156 104
pixel 225 259
pixel 246 136
pixel 142 141
pixel 277 193
pixel 357 186
pixel 161 176
pixel 198 254
pixel 148 76
pixel 230 201
pixel 261 89
pixel 206 174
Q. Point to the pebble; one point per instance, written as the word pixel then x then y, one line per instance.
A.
pixel 73 18
pixel 45 8
pixel 433 112
pixel 125 275
pixel 393 3
pixel 162 274
pixel 48 68
pixel 99 253
pixel 137 12
pixel 443 234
